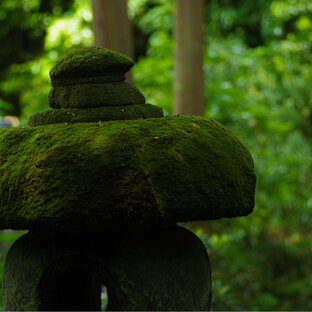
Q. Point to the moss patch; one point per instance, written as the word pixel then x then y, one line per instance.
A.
pixel 104 113
pixel 95 95
pixel 122 173
pixel 88 80
pixel 90 62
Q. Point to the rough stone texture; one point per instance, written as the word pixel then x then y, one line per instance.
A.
pixel 143 271
pixel 89 62
pixel 95 95
pixel 92 77
pixel 122 173
pixel 104 113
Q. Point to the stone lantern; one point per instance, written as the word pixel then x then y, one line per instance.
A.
pixel 100 182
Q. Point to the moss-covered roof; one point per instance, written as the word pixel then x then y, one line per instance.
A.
pixel 89 62
pixel 122 173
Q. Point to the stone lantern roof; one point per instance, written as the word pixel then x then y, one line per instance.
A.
pixel 102 158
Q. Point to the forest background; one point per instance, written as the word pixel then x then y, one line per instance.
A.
pixel 258 78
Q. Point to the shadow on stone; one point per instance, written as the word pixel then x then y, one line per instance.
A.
pixel 165 269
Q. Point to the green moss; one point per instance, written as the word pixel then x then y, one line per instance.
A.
pixel 95 95
pixel 88 80
pixel 122 173
pixel 90 62
pixel 105 113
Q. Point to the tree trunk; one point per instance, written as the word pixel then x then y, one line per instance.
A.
pixel 112 28
pixel 188 73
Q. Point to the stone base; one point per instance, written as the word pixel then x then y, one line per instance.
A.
pixel 165 269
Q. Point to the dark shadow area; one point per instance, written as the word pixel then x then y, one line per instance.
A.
pixel 72 284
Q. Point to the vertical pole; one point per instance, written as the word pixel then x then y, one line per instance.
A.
pixel 188 72
pixel 112 28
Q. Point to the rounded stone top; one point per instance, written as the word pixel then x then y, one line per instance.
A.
pixel 118 174
pixel 88 85
pixel 92 64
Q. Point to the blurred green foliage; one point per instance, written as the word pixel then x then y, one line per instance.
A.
pixel 33 35
pixel 258 73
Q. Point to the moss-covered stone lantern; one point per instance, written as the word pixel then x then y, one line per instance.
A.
pixel 100 182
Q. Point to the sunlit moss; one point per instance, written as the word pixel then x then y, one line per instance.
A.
pixel 89 62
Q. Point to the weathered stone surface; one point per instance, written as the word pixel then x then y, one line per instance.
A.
pixel 105 113
pixel 122 173
pixel 92 77
pixel 89 62
pixel 151 270
pixel 95 95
